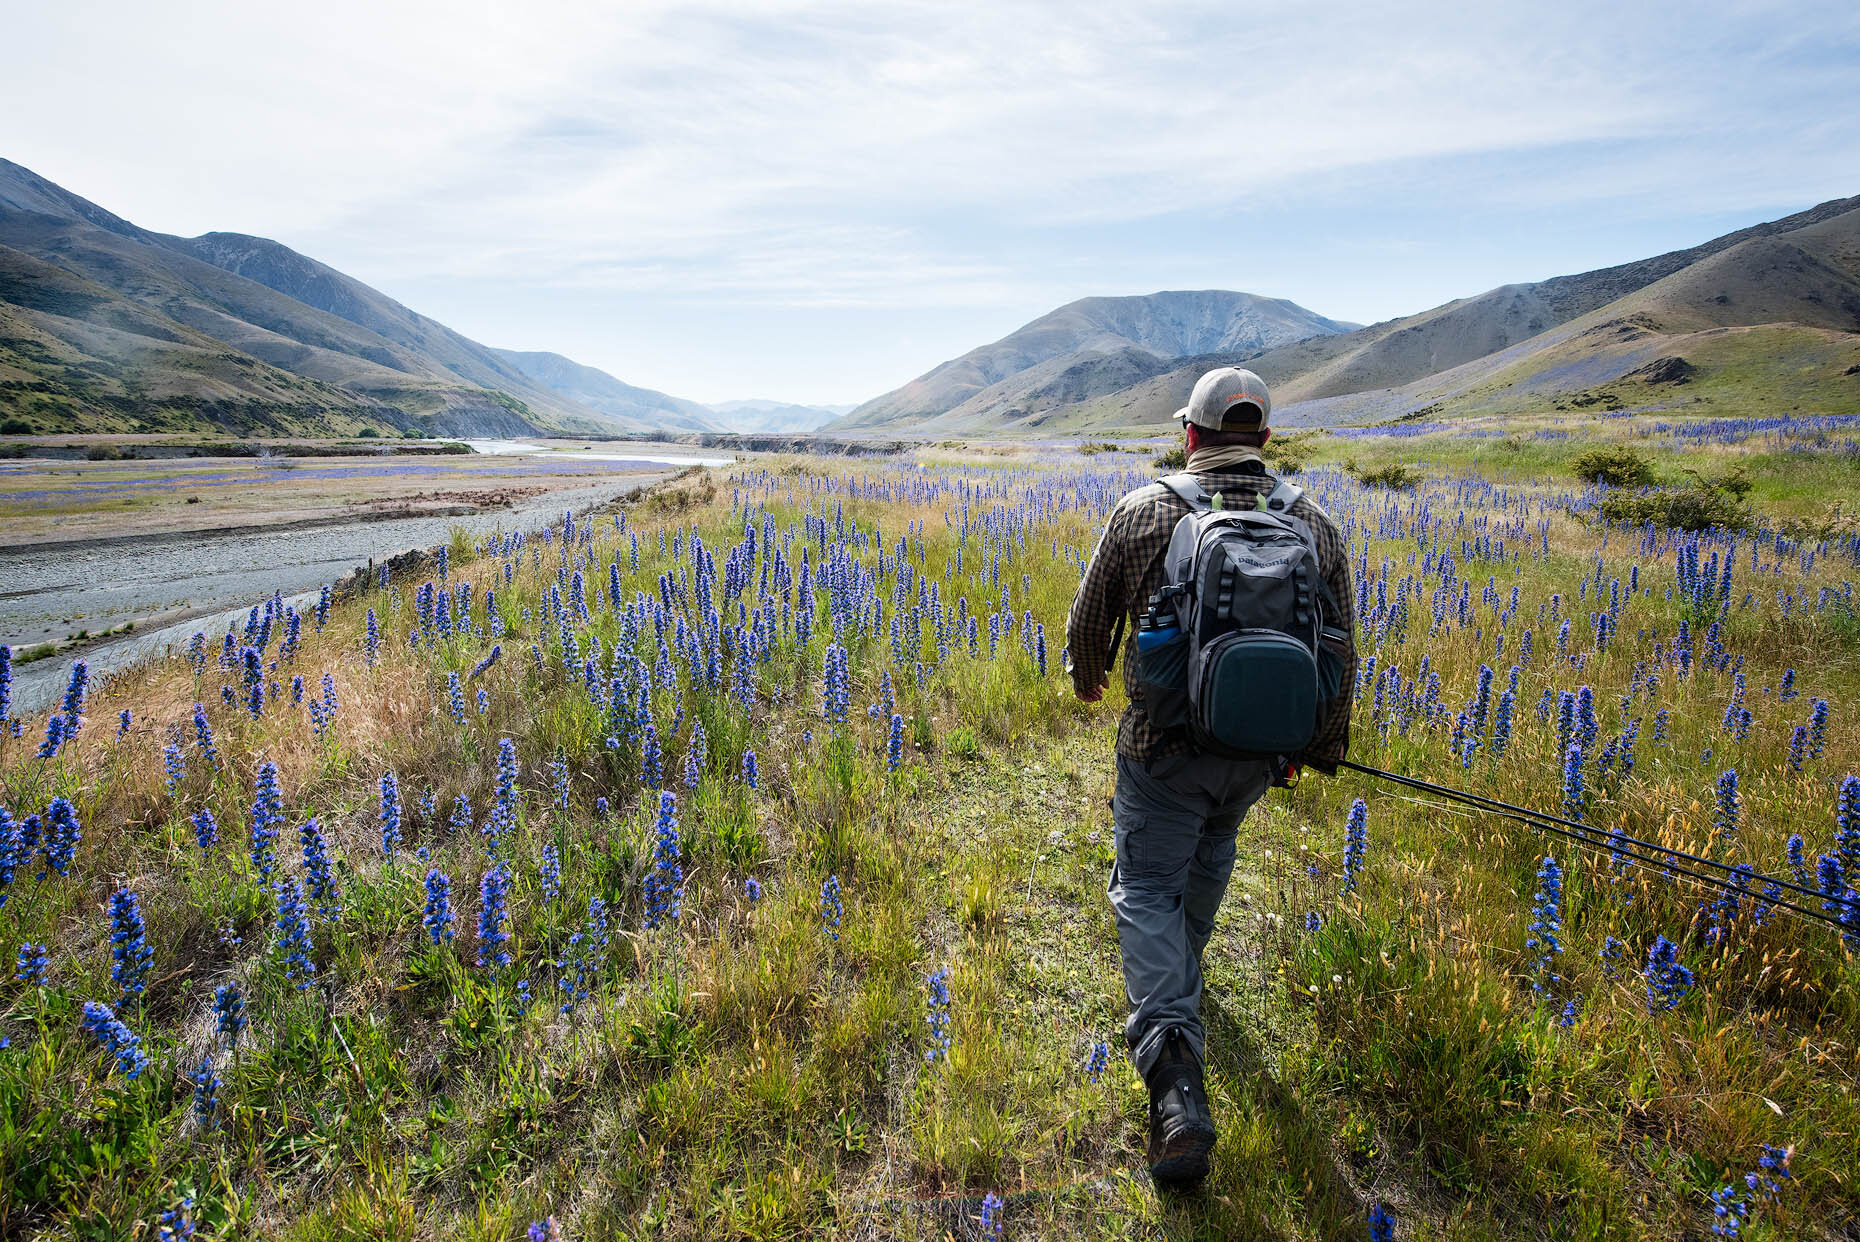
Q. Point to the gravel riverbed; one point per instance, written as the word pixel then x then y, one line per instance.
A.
pixel 173 584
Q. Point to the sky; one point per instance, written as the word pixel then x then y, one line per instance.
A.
pixel 815 202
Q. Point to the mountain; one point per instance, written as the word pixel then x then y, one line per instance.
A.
pixel 1767 314
pixel 757 415
pixel 1403 350
pixel 105 326
pixel 600 391
pixel 1085 348
pixel 1771 323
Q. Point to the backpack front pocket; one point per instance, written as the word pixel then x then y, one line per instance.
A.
pixel 1256 692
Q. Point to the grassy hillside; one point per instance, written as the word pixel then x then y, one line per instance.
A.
pixel 108 327
pixel 598 390
pixel 1791 288
pixel 1770 323
pixel 74 357
pixel 598 1016
pixel 1403 351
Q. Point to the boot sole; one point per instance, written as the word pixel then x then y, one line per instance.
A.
pixel 1185 1157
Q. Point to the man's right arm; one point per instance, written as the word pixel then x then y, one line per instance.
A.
pixel 1100 602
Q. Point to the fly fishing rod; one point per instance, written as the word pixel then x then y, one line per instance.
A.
pixel 1671 861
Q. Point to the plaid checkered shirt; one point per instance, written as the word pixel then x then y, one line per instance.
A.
pixel 1127 569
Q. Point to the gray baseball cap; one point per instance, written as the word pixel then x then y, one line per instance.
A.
pixel 1218 392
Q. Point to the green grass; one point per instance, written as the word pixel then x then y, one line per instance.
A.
pixel 1808 482
pixel 741 1073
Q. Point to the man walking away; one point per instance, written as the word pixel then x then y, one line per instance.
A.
pixel 1180 798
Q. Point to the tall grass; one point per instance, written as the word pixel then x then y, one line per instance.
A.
pixel 740 1070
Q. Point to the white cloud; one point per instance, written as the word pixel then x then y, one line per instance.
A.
pixel 847 154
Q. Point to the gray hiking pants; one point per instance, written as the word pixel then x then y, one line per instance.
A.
pixel 1175 852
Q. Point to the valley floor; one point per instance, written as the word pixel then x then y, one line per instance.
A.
pixel 128 567
pixel 730 864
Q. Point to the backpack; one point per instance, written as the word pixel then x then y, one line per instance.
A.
pixel 1231 646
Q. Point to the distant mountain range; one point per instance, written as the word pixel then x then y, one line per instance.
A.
pixel 105 326
pixel 776 416
pixel 600 391
pixel 1765 318
pixel 1087 348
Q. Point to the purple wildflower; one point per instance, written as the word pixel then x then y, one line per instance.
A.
pixel 117 1039
pixel 130 954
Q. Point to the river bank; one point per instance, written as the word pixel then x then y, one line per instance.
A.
pixel 168 585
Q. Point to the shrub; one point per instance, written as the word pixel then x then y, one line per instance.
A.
pixel 1394 475
pixel 1175 459
pixel 1291 452
pixel 1703 504
pixel 15 427
pixel 1615 466
pixel 1091 448
pixel 367 433
pixel 1697 507
pixel 1733 482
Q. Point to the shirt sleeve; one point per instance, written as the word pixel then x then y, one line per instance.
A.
pixel 1102 599
pixel 1332 742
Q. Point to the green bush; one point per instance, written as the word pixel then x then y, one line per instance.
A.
pixel 1704 504
pixel 1291 452
pixel 367 433
pixel 1395 475
pixel 15 427
pixel 1733 482
pixel 1175 459
pixel 1092 448
pixel 1615 466
pixel 1698 507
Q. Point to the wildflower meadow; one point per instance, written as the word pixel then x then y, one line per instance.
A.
pixel 730 865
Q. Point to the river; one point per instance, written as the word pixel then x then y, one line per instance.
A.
pixel 502 448
pixel 171 585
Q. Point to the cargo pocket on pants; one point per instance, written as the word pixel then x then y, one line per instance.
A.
pixel 1131 846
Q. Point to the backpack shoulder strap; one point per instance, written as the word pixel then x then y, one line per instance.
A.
pixel 1282 496
pixel 1189 490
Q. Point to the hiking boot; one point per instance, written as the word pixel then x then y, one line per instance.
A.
pixel 1181 1127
